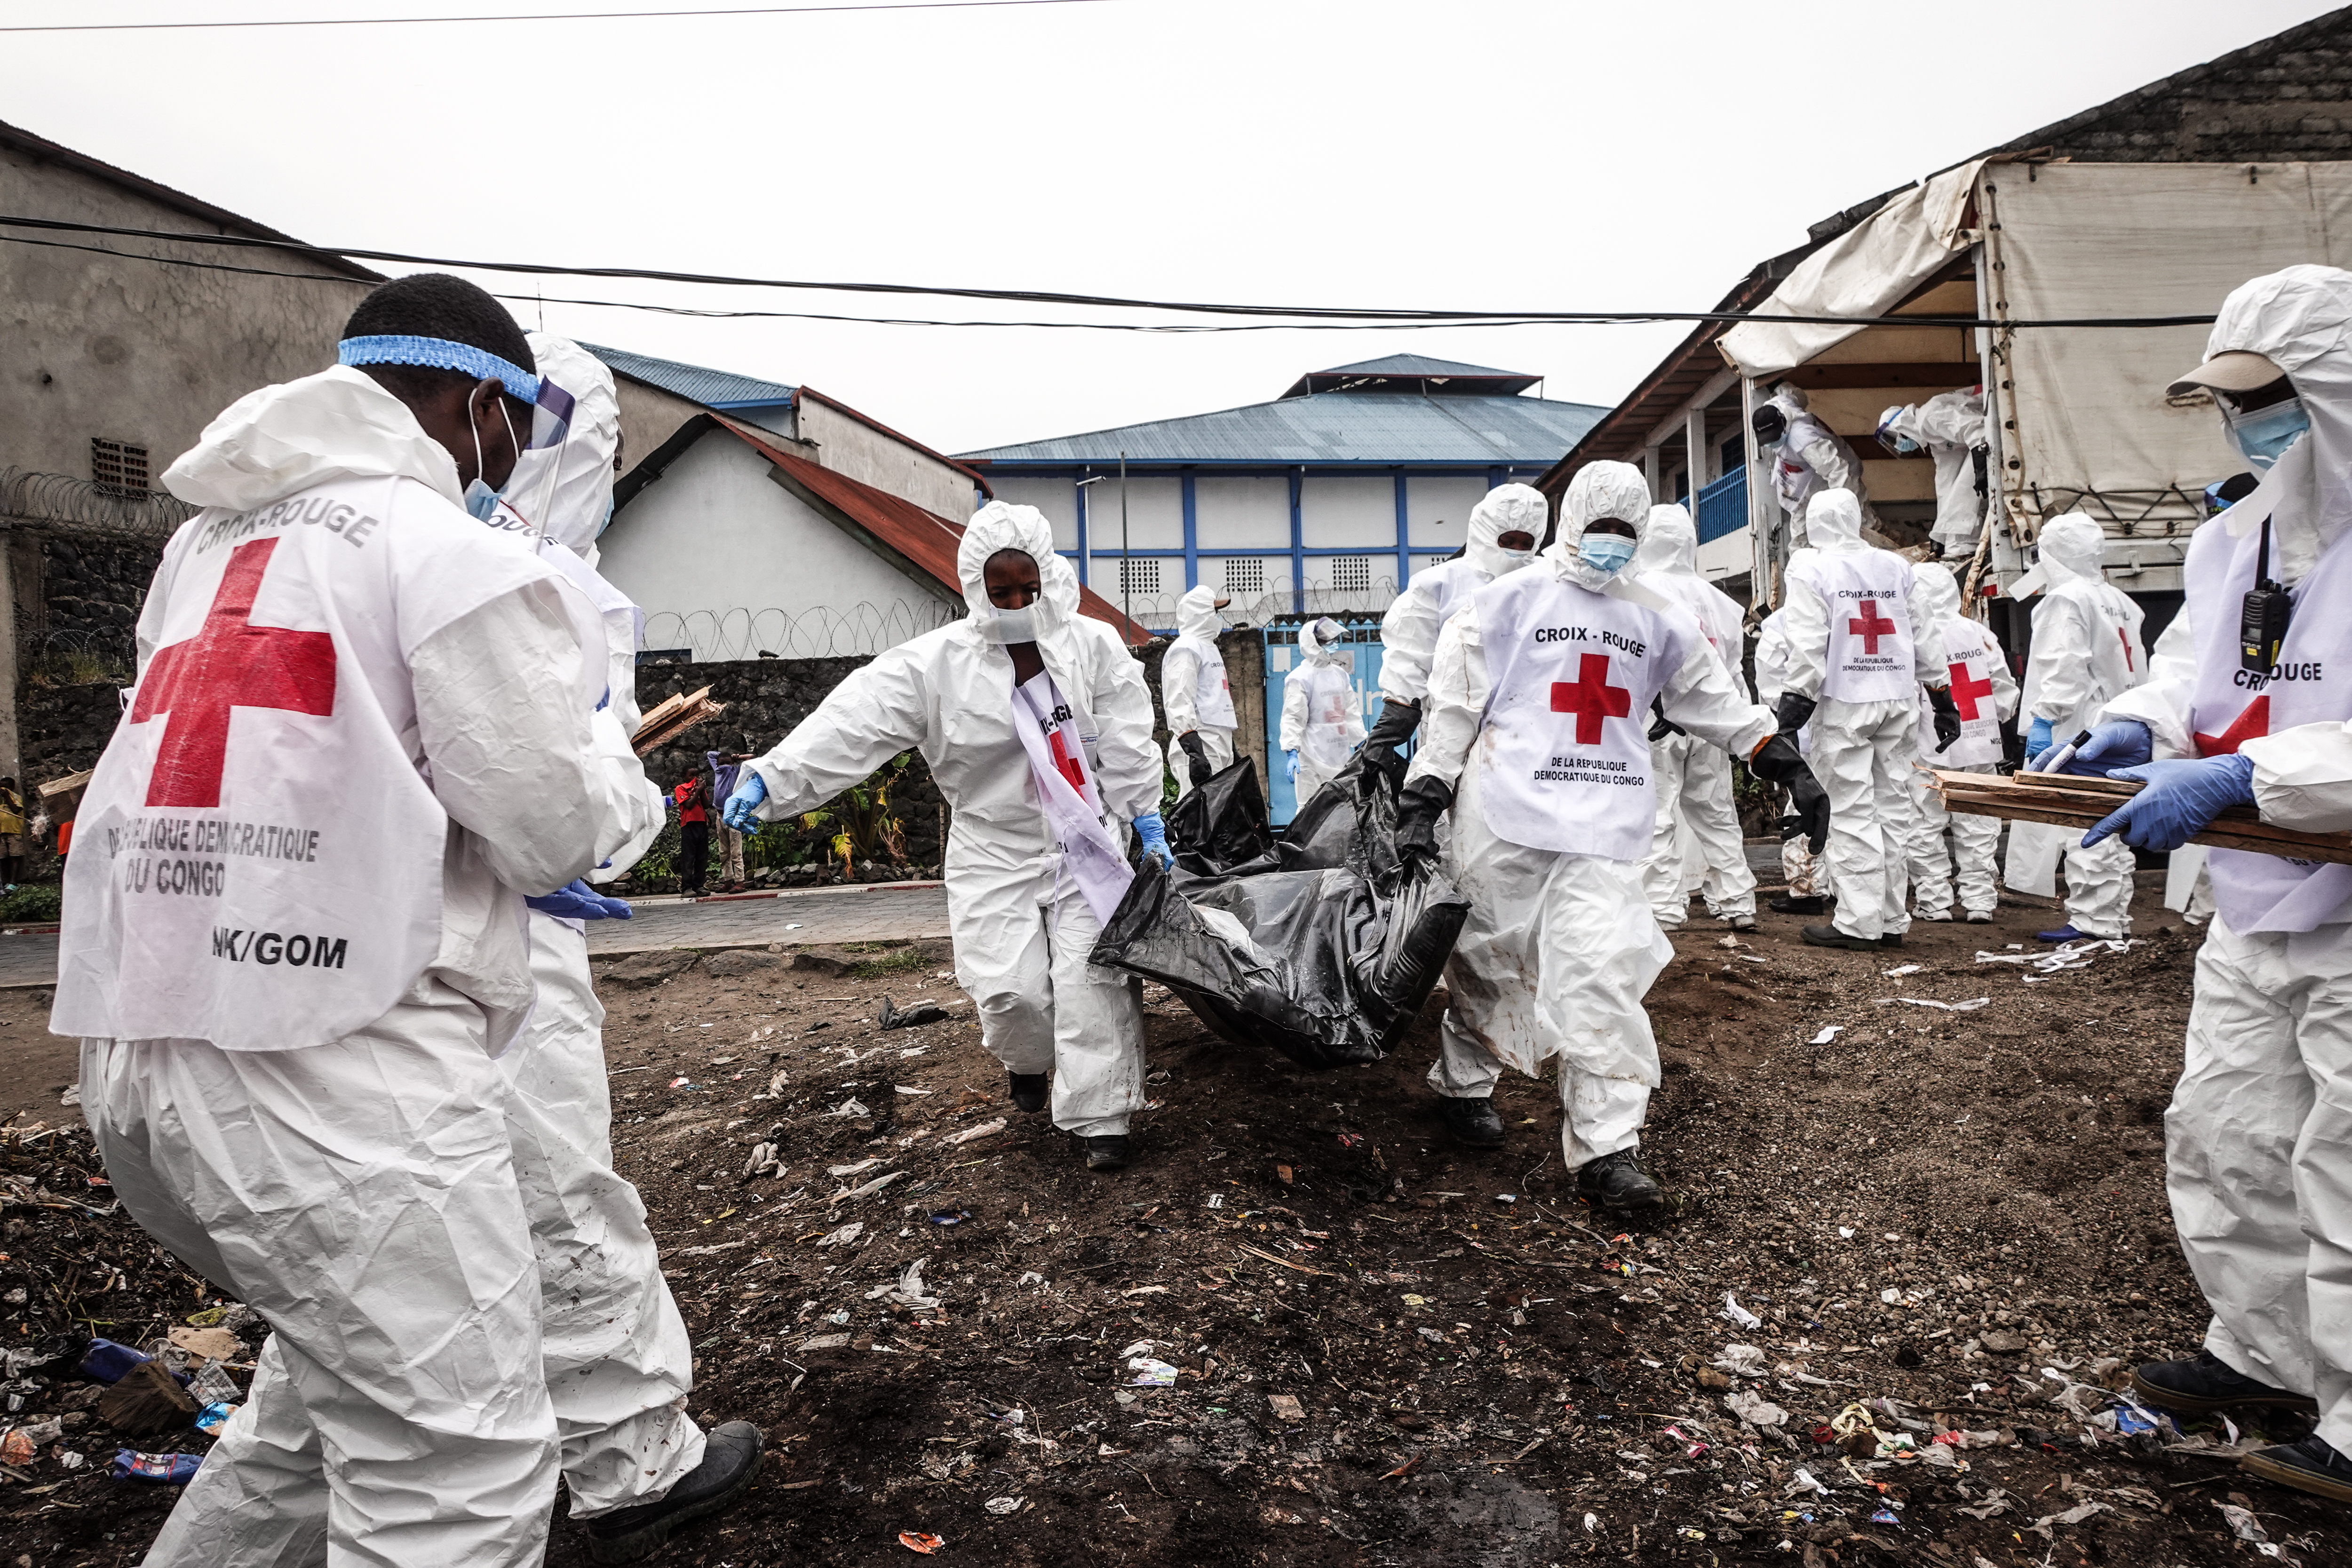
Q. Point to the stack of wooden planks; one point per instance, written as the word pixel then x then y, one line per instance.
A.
pixel 2069 800
pixel 672 716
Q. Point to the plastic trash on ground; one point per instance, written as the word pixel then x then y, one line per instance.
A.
pixel 1323 949
pixel 921 1540
pixel 106 1362
pixel 214 1416
pixel 172 1469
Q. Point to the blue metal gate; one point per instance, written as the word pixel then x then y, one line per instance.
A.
pixel 1362 643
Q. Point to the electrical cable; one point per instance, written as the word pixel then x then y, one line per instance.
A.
pixel 532 17
pixel 1105 301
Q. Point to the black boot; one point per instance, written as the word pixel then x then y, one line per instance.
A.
pixel 730 1459
pixel 1472 1122
pixel 1618 1182
pixel 1783 904
pixel 1029 1091
pixel 1106 1153
pixel 2310 1466
pixel 2204 1384
pixel 1829 936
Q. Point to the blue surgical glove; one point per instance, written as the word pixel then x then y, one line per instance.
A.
pixel 2037 740
pixel 1290 760
pixel 579 901
pixel 742 812
pixel 1154 833
pixel 2117 743
pixel 2180 798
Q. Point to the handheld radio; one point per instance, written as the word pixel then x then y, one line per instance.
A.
pixel 2263 617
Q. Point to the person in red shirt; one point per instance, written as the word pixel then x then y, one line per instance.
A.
pixel 694 833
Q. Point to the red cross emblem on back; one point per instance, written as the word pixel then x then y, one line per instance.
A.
pixel 229 663
pixel 1591 698
pixel 1869 627
pixel 2252 722
pixel 1965 691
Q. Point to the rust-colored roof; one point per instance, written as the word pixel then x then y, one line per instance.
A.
pixel 923 537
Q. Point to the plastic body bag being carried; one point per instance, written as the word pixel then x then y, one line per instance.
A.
pixel 1323 949
pixel 1222 823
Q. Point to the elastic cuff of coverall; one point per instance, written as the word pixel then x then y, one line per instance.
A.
pixel 1570 1144
pixel 1022 1058
pixel 1099 1127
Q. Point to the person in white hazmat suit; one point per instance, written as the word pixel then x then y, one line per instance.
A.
pixel 2085 653
pixel 1193 689
pixel 1854 673
pixel 619 1361
pixel 1501 537
pixel 1321 723
pixel 1694 779
pixel 1984 693
pixel 1804 871
pixel 1536 742
pixel 1037 727
pixel 359 736
pixel 1808 458
pixel 2258 1139
pixel 1950 427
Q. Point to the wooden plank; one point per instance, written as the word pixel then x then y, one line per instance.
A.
pixel 1979 795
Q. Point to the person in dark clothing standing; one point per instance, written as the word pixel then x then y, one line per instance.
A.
pixel 693 833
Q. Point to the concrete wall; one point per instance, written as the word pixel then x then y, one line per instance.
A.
pixel 851 448
pixel 726 562
pixel 651 415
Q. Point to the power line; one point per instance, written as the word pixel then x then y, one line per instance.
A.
pixel 535 16
pixel 1294 314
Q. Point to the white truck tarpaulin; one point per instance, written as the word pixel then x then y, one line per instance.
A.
pixel 1866 271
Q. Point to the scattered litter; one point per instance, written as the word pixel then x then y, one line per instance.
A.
pixel 174 1470
pixel 846 1193
pixel 851 1170
pixel 849 1109
pixel 907 1291
pixel 845 1236
pixel 950 1216
pixel 1003 1505
pixel 969 1133
pixel 825 1343
pixel 921 1540
pixel 1150 1373
pixel 1754 1408
pixel 915 1015
pixel 1216 1200
pixel 2240 1521
pixel 106 1362
pixel 1828 1033
pixel 902 1089
pixel 1285 1407
pixel 1884 1516
pixel 682 1081
pixel 72 1459
pixel 1741 1361
pixel 212 1384
pixel 764 1157
pixel 213 1417
pixel 1899 971
pixel 72 1096
pixel 1734 1313
pixel 1970 1006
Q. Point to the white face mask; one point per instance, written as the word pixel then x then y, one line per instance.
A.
pixel 1011 625
pixel 1514 556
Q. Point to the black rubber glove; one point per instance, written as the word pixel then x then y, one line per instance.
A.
pixel 1794 711
pixel 1947 717
pixel 1424 800
pixel 1660 725
pixel 1777 761
pixel 1197 750
pixel 1397 720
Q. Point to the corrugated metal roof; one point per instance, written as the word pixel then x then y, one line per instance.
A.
pixel 712 388
pixel 1333 427
pixel 1415 364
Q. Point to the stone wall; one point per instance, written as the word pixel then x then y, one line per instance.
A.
pixel 78 611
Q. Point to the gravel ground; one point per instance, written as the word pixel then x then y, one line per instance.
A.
pixel 1379 1349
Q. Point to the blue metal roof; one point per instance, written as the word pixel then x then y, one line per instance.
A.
pixel 712 388
pixel 1416 364
pixel 1380 428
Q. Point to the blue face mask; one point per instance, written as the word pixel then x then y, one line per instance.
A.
pixel 2262 436
pixel 481 500
pixel 1604 552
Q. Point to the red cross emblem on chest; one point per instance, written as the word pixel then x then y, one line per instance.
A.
pixel 1965 691
pixel 2252 722
pixel 1869 627
pixel 229 663
pixel 1591 698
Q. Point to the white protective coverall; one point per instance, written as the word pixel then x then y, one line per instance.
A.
pixel 1694 779
pixel 325 1132
pixel 1560 946
pixel 1322 718
pixel 2085 653
pixel 1192 687
pixel 1434 595
pixel 1844 600
pixel 2257 1135
pixel 1800 867
pixel 1811 459
pixel 1951 427
pixel 619 1362
pixel 1022 923
pixel 1985 693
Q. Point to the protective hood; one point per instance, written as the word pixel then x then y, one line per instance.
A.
pixel 565 488
pixel 1935 591
pixel 1834 521
pixel 1506 508
pixel 1196 613
pixel 287 438
pixel 1001 526
pixel 1319 641
pixel 1598 491
pixel 1671 547
pixel 2071 548
pixel 2301 320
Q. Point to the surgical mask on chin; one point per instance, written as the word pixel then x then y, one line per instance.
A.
pixel 1604 552
pixel 481 500
pixel 2263 434
pixel 1011 625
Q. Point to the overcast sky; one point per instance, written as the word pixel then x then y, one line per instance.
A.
pixel 1473 155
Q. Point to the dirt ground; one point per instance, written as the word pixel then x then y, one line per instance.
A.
pixel 1385 1350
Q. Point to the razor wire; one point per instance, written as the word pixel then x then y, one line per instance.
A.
pixel 62 504
pixel 709 637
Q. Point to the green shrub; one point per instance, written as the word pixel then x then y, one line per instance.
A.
pixel 31 903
